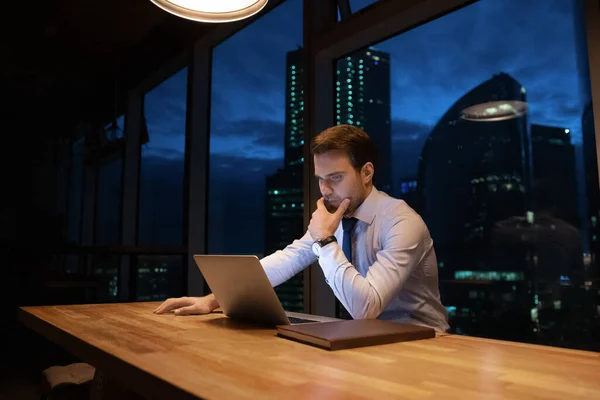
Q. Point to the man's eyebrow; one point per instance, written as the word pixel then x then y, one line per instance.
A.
pixel 333 173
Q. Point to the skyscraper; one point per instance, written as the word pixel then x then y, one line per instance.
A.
pixel 556 206
pixel 555 181
pixel 408 190
pixel 285 200
pixel 509 252
pixel 363 100
pixel 471 193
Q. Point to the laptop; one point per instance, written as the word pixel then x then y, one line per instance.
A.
pixel 244 292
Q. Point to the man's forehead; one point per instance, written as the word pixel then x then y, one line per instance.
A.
pixel 327 167
pixel 332 157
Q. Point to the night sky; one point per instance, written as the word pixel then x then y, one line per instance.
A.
pixel 432 66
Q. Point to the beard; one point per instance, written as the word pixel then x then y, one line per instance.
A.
pixel 329 206
pixel 333 206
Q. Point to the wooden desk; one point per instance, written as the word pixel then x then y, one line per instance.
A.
pixel 172 357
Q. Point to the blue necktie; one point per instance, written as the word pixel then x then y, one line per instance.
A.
pixel 347 225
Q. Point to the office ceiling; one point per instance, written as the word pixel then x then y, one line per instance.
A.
pixel 61 55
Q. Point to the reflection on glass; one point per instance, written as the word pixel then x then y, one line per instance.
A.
pixel 162 163
pixel 256 129
pixel 512 204
pixel 492 111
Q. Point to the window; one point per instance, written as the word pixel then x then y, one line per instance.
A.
pixel 109 194
pixel 256 139
pixel 158 277
pixel 160 207
pixel 162 163
pixel 75 199
pixel 511 202
pixel 109 190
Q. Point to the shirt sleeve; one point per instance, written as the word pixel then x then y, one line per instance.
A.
pixel 284 264
pixel 403 248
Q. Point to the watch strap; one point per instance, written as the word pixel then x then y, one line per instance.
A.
pixel 326 241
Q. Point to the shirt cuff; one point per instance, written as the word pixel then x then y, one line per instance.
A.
pixel 332 257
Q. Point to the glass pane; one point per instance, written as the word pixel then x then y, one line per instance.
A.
pixel 75 199
pixel 158 277
pixel 508 193
pixel 356 5
pixel 256 142
pixel 162 163
pixel 109 192
pixel 105 269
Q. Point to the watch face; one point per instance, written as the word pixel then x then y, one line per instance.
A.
pixel 315 248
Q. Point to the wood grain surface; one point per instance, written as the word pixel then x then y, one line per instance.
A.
pixel 214 357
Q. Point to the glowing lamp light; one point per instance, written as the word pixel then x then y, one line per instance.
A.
pixel 212 11
pixel 495 111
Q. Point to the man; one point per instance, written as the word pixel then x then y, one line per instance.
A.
pixel 375 251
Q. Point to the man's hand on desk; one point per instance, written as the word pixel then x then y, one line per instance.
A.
pixel 188 305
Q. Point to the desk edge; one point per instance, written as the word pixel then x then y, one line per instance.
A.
pixel 146 384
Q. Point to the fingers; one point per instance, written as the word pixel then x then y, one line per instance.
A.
pixel 320 203
pixel 172 304
pixel 189 310
pixel 342 208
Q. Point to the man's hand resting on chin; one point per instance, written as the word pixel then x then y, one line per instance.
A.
pixel 324 223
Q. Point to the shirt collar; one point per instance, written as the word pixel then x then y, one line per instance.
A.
pixel 366 211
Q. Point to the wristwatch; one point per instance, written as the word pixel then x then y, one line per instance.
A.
pixel 316 246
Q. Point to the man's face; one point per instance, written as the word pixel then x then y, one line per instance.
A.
pixel 339 180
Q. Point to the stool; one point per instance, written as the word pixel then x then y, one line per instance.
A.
pixel 69 382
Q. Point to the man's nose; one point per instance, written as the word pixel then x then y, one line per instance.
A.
pixel 325 189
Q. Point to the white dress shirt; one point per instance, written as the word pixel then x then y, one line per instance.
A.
pixel 394 272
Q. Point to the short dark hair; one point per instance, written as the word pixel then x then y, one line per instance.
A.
pixel 348 139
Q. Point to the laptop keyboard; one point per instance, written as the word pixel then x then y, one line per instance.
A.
pixel 295 320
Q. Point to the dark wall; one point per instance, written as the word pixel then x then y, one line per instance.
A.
pixel 29 226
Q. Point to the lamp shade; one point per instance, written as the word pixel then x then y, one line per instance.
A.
pixel 495 111
pixel 214 11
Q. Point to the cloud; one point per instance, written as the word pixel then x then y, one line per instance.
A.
pixel 404 130
pixel 249 67
pixel 165 116
pixel 162 152
pixel 233 228
pixel 434 65
pixel 250 138
pixel 166 104
pixel 224 168
pixel 408 138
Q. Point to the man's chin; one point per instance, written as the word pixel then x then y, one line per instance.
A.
pixel 332 207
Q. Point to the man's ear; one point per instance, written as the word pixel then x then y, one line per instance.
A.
pixel 367 172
